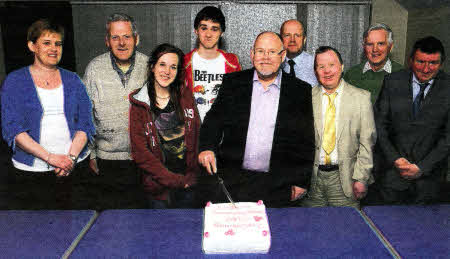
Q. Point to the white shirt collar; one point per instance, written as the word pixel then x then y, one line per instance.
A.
pixel 415 80
pixel 276 83
pixel 387 67
pixel 338 90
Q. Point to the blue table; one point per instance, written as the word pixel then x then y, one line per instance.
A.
pixel 40 233
pixel 414 231
pixel 296 232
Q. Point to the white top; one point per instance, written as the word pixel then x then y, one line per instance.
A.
pixel 207 75
pixel 55 134
pixel 337 101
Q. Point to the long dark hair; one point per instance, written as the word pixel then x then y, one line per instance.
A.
pixel 175 86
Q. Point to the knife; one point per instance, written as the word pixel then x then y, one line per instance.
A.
pixel 224 189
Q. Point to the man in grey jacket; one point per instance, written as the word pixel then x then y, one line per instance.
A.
pixel 109 79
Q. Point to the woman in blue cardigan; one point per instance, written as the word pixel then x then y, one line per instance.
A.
pixel 46 120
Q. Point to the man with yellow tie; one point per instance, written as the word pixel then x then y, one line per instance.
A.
pixel 344 134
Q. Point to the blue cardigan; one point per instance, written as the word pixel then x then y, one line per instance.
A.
pixel 22 110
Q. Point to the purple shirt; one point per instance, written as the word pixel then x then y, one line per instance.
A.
pixel 263 116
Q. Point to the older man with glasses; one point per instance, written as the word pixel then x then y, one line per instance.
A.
pixel 259 134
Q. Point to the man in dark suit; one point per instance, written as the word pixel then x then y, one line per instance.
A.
pixel 412 117
pixel 260 130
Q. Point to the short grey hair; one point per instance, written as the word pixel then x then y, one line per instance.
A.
pixel 380 26
pixel 121 17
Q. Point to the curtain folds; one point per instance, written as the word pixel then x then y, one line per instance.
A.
pixel 337 25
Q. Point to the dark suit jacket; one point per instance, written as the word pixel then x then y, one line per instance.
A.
pixel 424 141
pixel 224 131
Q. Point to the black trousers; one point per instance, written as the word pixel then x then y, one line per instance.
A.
pixel 117 186
pixel 420 192
pixel 43 190
pixel 391 189
pixel 244 186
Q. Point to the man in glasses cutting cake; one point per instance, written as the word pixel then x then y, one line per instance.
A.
pixel 259 134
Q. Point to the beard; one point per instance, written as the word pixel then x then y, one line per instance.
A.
pixel 267 74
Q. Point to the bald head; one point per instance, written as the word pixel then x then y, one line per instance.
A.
pixel 294 37
pixel 292 22
pixel 267 55
pixel 268 35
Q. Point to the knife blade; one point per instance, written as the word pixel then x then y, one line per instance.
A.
pixel 224 189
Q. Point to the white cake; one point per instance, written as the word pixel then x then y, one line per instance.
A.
pixel 241 229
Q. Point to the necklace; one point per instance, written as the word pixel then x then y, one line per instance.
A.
pixel 46 82
pixel 39 76
pixel 163 98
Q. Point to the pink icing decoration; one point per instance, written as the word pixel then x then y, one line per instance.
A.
pixel 208 204
pixel 257 218
pixel 206 234
pixel 260 202
pixel 264 233
pixel 229 232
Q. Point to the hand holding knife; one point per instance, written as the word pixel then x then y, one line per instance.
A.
pixel 207 158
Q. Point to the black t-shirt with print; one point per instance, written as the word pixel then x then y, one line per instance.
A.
pixel 171 135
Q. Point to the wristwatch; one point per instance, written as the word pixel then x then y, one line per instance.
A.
pixel 73 158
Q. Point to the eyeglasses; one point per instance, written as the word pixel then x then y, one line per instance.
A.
pixel 272 53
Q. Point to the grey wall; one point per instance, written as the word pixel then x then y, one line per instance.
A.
pixel 338 25
pixel 422 24
pixel 153 21
pixel 411 20
pixel 246 21
pixel 396 16
pixel 173 23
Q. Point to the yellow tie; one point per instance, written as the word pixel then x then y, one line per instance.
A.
pixel 329 132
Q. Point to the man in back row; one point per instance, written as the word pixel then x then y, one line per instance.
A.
pixel 378 43
pixel 298 63
pixel 206 65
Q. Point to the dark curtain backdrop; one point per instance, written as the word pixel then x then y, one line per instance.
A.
pixel 339 25
pixel 17 16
